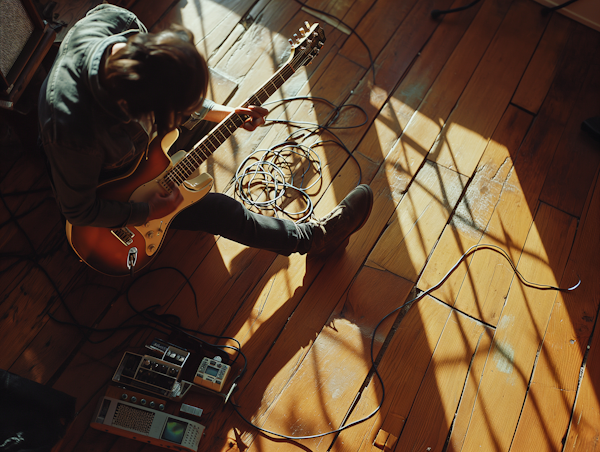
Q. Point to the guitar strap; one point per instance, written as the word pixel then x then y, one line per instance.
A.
pixel 192 121
pixel 188 138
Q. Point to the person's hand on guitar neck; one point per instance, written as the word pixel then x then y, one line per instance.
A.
pixel 162 204
pixel 256 115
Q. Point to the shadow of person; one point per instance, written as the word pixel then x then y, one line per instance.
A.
pixel 274 350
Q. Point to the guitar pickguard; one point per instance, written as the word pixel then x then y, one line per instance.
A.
pixel 192 190
pixel 110 250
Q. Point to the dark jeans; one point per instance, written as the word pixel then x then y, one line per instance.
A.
pixel 220 214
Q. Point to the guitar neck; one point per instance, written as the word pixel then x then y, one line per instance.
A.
pixel 217 136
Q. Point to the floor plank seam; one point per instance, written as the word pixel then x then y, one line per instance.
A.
pixel 580 380
pixel 435 245
pixel 462 394
pixel 399 318
pixel 423 380
pixel 480 382
pixel 530 382
pixel 471 317
pixel 560 210
pixel 517 106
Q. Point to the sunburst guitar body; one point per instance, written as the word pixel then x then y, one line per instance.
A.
pixel 120 251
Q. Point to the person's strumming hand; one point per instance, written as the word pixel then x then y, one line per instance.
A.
pixel 162 204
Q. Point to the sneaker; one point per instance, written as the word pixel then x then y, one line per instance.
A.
pixel 336 228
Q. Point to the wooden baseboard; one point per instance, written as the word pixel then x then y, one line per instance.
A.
pixel 586 12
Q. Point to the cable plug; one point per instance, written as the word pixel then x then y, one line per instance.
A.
pixel 230 393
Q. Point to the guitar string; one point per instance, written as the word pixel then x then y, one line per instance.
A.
pixel 184 169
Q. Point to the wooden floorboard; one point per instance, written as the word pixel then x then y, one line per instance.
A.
pixel 471 136
pixel 492 84
pixel 476 208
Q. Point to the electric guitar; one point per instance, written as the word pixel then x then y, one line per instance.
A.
pixel 123 251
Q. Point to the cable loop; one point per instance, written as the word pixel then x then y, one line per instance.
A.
pixel 268 178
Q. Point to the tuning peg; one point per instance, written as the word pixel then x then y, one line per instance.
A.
pixel 302 31
pixel 290 41
pixel 306 24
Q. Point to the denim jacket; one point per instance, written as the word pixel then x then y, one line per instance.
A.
pixel 87 137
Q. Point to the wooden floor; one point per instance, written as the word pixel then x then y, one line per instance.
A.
pixel 473 138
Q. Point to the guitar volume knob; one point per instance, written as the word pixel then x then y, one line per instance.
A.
pixel 151 248
pixel 150 234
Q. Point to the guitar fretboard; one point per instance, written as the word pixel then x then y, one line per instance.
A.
pixel 209 144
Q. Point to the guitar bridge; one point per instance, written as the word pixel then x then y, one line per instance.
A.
pixel 124 235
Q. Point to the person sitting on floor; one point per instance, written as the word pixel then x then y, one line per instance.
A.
pixel 114 86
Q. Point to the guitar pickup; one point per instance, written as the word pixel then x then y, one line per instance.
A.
pixel 124 235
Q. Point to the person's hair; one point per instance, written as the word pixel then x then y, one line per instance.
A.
pixel 158 72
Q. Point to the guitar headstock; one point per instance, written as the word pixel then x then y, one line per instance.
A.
pixel 306 46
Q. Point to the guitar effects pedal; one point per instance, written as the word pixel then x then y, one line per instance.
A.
pixel 212 374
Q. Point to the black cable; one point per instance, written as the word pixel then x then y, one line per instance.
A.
pixel 324 13
pixel 155 321
pixel 334 116
pixel 549 9
pixel 437 13
pixel 237 349
pixel 175 323
pixel 163 324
